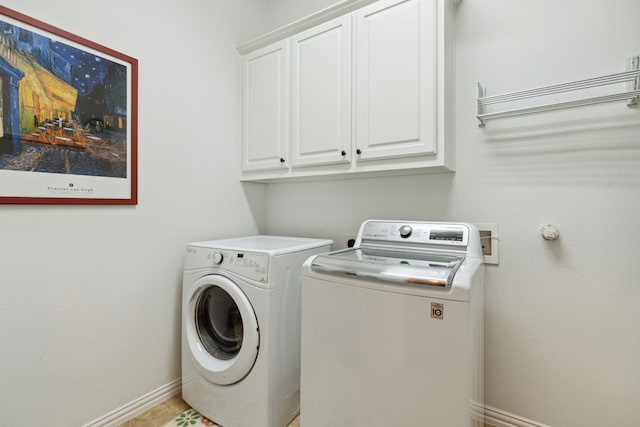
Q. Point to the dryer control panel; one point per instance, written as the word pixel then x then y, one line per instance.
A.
pixel 251 265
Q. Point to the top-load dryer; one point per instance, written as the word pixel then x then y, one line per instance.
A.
pixel 241 328
pixel 392 329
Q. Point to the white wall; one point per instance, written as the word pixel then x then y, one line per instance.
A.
pixel 562 318
pixel 90 295
pixel 282 12
pixel 89 307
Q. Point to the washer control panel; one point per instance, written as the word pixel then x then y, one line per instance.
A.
pixel 415 233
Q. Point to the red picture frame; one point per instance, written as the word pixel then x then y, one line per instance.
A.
pixel 68 117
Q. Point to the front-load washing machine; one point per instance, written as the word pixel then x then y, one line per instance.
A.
pixel 241 328
pixel 392 329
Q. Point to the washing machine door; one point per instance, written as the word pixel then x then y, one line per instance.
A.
pixel 222 330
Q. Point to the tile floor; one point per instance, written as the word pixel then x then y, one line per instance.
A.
pixel 161 414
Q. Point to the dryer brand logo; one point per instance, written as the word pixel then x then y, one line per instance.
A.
pixel 437 310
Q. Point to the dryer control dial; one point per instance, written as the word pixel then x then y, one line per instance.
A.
pixel 405 231
pixel 217 258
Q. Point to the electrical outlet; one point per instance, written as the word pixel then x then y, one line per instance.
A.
pixel 490 242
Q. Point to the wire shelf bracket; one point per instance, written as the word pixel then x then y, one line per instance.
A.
pixel 631 77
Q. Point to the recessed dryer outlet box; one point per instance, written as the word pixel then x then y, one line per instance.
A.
pixel 349 239
pixel 489 240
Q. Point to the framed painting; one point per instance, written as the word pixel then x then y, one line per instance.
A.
pixel 68 117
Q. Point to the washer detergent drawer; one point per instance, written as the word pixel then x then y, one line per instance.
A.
pixel 422 268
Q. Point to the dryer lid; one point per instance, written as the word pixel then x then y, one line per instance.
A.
pixel 422 268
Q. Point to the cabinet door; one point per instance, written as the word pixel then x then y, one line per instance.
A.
pixel 395 79
pixel 321 94
pixel 265 115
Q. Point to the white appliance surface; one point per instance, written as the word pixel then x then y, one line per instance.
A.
pixel 392 328
pixel 273 245
pixel 241 328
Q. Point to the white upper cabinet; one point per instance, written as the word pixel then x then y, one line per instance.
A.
pixel 321 94
pixel 265 108
pixel 395 79
pixel 362 88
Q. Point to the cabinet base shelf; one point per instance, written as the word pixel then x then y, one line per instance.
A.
pixel 330 176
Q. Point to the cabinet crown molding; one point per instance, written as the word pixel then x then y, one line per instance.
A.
pixel 302 24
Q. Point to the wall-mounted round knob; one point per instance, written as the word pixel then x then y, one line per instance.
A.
pixel 358 151
pixel 550 232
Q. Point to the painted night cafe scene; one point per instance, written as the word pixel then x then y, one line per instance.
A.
pixel 63 109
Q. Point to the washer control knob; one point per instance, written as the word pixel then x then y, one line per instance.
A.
pixel 405 231
pixel 217 258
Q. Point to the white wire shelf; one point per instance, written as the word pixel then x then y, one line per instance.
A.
pixel 631 77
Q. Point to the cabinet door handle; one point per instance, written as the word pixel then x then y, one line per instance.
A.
pixel 343 153
pixel 358 151
pixel 281 160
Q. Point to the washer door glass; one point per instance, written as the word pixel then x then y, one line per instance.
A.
pixel 219 323
pixel 221 329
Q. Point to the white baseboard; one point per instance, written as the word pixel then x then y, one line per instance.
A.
pixel 138 406
pixel 492 416
pixel 499 418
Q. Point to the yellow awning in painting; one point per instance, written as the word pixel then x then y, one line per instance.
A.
pixel 60 94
